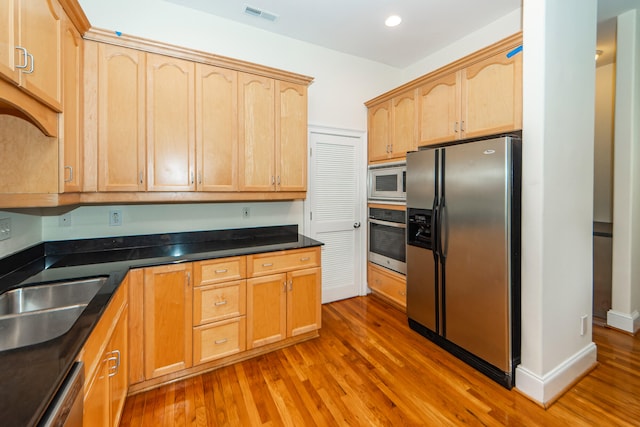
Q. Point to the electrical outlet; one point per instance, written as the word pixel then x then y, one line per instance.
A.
pixel 246 213
pixel 65 220
pixel 583 324
pixel 5 228
pixel 115 217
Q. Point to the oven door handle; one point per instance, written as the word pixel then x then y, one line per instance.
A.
pixel 388 223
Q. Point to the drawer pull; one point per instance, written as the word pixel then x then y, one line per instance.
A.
pixel 305 259
pixel 267 264
pixel 222 341
pixel 220 302
pixel 224 270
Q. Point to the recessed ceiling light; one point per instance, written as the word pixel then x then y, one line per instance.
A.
pixel 393 21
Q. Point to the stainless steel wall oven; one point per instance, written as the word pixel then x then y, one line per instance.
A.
pixel 387 241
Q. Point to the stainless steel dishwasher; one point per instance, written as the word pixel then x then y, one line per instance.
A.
pixel 67 407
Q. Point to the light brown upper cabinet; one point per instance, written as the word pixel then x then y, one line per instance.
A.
pixel 70 140
pixel 404 115
pixel 216 128
pixel 30 48
pixel 492 95
pixel 273 134
pixel 481 99
pixel 121 156
pixel 291 137
pixel 170 124
pixel 257 132
pixel 392 127
pixel 379 118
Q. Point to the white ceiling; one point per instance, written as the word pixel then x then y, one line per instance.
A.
pixel 356 27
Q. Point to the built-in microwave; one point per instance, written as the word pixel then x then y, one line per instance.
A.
pixel 388 182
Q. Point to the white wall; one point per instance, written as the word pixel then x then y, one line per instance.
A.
pixel 603 154
pixel 625 303
pixel 557 204
pixel 26 230
pixel 498 30
pixel 93 221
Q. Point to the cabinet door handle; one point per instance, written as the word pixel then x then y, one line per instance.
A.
pixel 273 180
pixel 192 178
pixel 267 264
pixel 113 370
pixel 290 285
pixel 284 286
pixel 221 271
pixel 188 279
pixel 455 127
pixel 278 179
pixel 222 341
pixel 306 258
pixel 220 303
pixel 391 148
pixel 199 177
pixel 33 64
pixel 70 173
pixel 462 126
pixel 24 56
pixel 141 177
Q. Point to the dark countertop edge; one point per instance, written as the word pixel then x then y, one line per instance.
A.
pixel 72 341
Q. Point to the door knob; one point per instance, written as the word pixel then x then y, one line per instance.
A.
pixel 356 225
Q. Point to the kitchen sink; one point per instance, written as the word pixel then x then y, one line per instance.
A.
pixel 20 330
pixel 41 297
pixel 34 314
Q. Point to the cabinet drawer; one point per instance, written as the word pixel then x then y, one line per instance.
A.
pixel 219 270
pixel 262 264
pixel 218 340
pixel 217 302
pixel 388 284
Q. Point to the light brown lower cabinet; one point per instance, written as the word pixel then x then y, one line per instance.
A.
pixel 388 284
pixel 105 356
pixel 193 317
pixel 285 304
pixel 167 319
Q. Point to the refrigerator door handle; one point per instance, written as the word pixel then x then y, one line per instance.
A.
pixel 442 228
pixel 435 232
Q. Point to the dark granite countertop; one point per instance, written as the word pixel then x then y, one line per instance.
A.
pixel 32 375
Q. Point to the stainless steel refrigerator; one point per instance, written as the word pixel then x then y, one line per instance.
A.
pixel 463 251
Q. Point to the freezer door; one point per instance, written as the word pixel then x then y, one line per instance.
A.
pixel 421 179
pixel 422 286
pixel 476 231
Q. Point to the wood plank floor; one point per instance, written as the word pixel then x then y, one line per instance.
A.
pixel 369 369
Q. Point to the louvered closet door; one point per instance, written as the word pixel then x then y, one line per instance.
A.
pixel 336 206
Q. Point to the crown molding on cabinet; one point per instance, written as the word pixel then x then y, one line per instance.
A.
pixel 76 15
pixel 147 45
pixel 504 44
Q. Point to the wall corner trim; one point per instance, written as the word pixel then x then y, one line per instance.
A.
pixel 546 389
pixel 624 321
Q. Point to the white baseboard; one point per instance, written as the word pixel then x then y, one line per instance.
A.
pixel 545 389
pixel 623 321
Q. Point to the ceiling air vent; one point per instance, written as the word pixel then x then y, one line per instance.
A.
pixel 254 11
